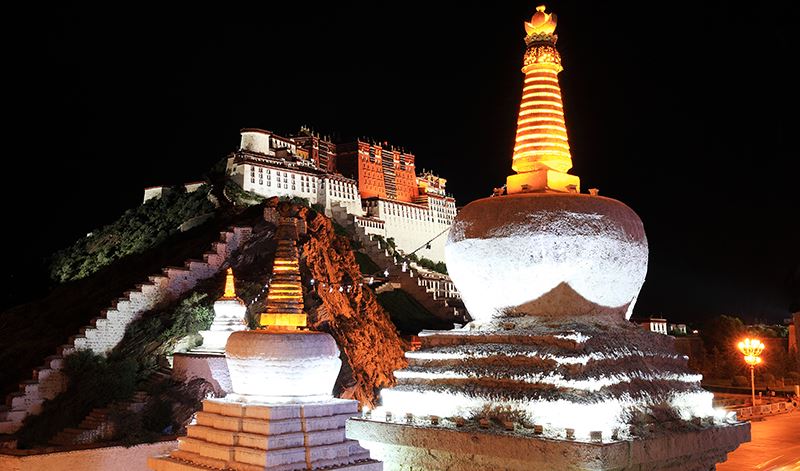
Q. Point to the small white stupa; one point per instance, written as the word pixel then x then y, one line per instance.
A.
pixel 281 415
pixel 229 317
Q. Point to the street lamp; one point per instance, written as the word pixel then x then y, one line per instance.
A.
pixel 751 349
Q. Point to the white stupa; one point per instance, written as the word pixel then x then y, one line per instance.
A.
pixel 550 374
pixel 229 317
pixel 281 414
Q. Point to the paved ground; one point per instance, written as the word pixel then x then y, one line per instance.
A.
pixel 775 446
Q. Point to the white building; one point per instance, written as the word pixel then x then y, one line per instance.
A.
pixel 270 165
pixel 653 324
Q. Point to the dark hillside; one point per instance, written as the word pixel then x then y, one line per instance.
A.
pixel 32 331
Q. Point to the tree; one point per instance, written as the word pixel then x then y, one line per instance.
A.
pixel 720 335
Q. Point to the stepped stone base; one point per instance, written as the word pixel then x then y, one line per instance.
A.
pixel 210 366
pixel 402 446
pixel 275 437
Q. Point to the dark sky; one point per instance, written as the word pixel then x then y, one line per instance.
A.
pixel 680 110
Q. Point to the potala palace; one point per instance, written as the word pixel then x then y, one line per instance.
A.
pixel 375 186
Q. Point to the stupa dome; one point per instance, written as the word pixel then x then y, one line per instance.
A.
pixel 547 255
pixel 283 366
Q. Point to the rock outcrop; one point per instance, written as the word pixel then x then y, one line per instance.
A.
pixel 339 303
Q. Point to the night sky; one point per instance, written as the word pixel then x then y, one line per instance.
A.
pixel 680 110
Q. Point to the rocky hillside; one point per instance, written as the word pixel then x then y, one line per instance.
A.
pixel 365 334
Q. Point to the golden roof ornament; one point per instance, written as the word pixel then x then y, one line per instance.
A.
pixel 541 23
pixel 230 288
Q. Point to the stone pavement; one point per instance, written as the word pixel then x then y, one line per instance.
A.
pixel 775 445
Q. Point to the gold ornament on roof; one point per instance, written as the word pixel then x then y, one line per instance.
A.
pixel 541 22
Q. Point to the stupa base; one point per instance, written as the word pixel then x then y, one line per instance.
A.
pixel 210 366
pixel 166 463
pixel 276 437
pixel 406 446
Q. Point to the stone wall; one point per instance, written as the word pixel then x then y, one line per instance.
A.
pixel 106 331
pixel 113 458
pixel 211 367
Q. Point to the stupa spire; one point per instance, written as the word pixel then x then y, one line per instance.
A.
pixel 541 150
pixel 230 287
pixel 285 298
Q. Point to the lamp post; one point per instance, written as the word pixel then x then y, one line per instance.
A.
pixel 751 349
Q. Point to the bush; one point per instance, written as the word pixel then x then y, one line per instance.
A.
pixel 431 265
pixel 297 200
pixel 240 197
pixel 93 382
pixel 134 232
pixel 792 377
pixel 157 333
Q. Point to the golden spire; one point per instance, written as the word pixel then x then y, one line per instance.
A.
pixel 285 296
pixel 541 150
pixel 230 288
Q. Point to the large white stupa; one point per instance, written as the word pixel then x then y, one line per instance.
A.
pixel 551 374
pixel 280 415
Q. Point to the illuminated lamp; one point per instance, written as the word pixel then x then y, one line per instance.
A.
pixel 751 349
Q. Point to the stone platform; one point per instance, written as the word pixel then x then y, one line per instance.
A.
pixel 407 446
pixel 275 437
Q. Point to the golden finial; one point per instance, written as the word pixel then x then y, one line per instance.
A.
pixel 230 289
pixel 541 22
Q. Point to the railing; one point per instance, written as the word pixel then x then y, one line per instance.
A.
pixel 765 409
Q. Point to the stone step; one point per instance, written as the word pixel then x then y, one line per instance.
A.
pixel 101 336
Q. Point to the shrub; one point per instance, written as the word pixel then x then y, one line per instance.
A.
pixel 297 200
pixel 93 382
pixel 240 197
pixel 134 232
pixel 431 265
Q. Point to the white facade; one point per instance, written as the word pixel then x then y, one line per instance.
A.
pixel 269 180
pixel 658 326
pixel 269 165
pixel 412 226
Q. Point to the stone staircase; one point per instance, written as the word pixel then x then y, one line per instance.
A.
pixel 106 330
pixel 415 280
pixel 97 426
